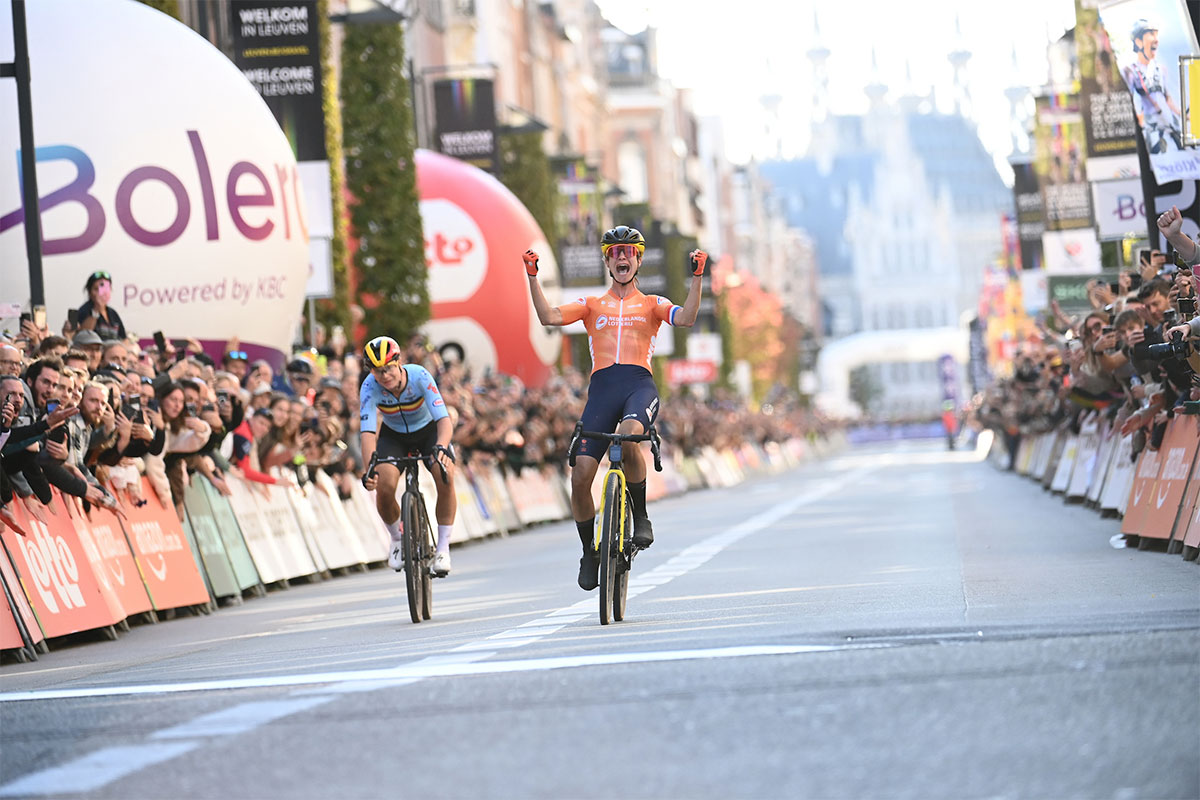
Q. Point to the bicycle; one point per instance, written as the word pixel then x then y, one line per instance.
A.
pixel 417 542
pixel 614 519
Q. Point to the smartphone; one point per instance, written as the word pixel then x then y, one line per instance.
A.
pixel 26 316
pixel 1114 288
pixel 39 316
pixel 51 406
pixel 132 407
pixel 1144 256
pixel 160 341
pixel 1135 281
pixel 1107 329
pixel 152 404
pixel 73 317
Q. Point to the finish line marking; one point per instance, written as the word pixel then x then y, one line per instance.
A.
pixel 103 767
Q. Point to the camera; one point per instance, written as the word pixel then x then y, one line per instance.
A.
pixel 190 409
pixel 1187 305
pixel 222 396
pixel 1177 348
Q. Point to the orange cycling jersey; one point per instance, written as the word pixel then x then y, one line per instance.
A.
pixel 621 330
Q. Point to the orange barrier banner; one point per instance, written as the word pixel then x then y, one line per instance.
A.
pixel 162 554
pixel 1141 495
pixel 104 543
pixel 57 575
pixel 1176 453
pixel 20 603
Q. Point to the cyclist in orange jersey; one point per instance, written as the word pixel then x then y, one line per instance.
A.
pixel 622 326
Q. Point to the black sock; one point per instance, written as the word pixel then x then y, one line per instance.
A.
pixel 637 494
pixel 587 533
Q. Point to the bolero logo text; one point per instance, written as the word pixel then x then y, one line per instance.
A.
pixel 246 186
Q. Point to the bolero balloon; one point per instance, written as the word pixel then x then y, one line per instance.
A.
pixel 165 169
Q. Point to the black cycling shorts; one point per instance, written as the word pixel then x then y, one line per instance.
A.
pixel 392 444
pixel 616 393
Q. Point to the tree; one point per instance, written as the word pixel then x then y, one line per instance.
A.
pixel 168 7
pixel 865 388
pixel 385 213
pixel 526 171
pixel 337 310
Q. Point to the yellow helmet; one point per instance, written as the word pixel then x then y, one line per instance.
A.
pixel 381 351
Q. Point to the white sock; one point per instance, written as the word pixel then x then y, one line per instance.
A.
pixel 393 529
pixel 443 545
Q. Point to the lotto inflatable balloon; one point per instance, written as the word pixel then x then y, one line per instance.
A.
pixel 475 233
pixel 158 163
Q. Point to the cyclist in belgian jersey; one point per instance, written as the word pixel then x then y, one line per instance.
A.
pixel 622 327
pixel 405 398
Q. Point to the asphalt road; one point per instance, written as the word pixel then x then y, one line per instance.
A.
pixel 894 622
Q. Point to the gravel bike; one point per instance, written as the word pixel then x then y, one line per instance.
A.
pixel 613 541
pixel 416 535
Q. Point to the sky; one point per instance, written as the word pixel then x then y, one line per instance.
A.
pixel 732 54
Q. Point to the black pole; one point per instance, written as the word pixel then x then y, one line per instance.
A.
pixel 29 194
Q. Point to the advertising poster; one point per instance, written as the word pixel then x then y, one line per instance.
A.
pixel 278 49
pixel 583 207
pixel 1073 252
pixel 1109 122
pixel 1060 150
pixel 465 109
pixel 1031 223
pixel 1148 38
pixel 1120 211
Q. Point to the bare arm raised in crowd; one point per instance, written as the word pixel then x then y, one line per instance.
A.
pixel 1170 223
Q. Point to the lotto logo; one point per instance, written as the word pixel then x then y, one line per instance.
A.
pixel 52 567
pixel 601 321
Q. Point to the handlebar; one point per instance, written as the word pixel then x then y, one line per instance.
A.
pixel 403 461
pixel 651 436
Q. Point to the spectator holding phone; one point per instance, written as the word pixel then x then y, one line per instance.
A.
pixel 95 314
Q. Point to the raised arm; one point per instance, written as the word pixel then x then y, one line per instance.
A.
pixel 686 317
pixel 1170 223
pixel 546 314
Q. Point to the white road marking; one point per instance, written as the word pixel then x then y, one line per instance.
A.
pixel 239 718
pixel 95 769
pixel 464 660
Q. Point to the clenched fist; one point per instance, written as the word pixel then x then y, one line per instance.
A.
pixel 531 263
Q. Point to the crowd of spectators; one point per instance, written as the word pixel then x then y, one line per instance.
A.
pixel 1129 359
pixel 91 411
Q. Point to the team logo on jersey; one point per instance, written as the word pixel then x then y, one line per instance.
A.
pixel 662 300
pixel 601 321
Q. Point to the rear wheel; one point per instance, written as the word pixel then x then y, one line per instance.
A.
pixel 610 529
pixel 410 538
pixel 427 548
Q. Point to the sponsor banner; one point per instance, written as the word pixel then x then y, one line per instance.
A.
pixel 208 540
pixel 162 554
pixel 1109 122
pixel 231 537
pixel 688 371
pixel 1072 251
pixel 277 47
pixel 1189 66
pixel 1148 38
pixel 180 183
pixel 465 112
pixel 257 535
pixel 1059 156
pixel 17 595
pixel 104 542
pixel 1177 453
pixel 57 575
pixel 1071 290
pixel 1120 211
pixel 1031 221
pixel 1034 289
pixel 1145 476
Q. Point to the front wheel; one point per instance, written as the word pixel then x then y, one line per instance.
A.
pixel 624 563
pixel 410 518
pixel 426 558
pixel 610 530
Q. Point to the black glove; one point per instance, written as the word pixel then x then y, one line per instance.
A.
pixel 697 260
pixel 448 450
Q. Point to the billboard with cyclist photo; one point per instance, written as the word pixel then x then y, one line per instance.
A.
pixel 1148 37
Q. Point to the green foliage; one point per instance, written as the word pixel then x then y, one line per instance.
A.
pixel 168 7
pixel 525 170
pixel 865 388
pixel 337 310
pixel 385 214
